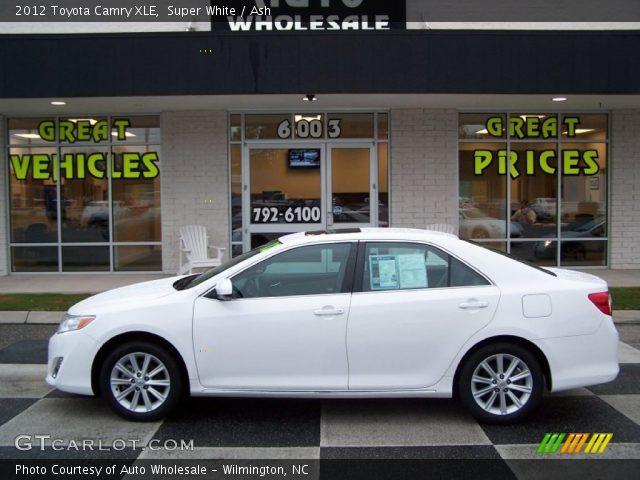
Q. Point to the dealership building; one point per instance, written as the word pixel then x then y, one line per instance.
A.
pixel 527 141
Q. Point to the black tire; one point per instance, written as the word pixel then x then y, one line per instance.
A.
pixel 487 407
pixel 114 380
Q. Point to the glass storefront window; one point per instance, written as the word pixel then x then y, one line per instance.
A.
pixel 535 176
pixel 266 126
pixel 95 185
pixel 296 171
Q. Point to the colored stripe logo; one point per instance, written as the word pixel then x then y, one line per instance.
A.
pixel 574 443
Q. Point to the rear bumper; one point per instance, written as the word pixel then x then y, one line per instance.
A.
pixel 583 360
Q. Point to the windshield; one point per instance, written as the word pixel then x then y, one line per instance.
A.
pixel 192 281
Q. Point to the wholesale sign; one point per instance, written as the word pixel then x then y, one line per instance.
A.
pixel 79 164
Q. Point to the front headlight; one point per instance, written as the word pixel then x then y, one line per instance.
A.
pixel 74 322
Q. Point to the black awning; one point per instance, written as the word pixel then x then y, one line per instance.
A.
pixel 202 63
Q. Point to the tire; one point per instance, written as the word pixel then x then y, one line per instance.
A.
pixel 136 396
pixel 505 400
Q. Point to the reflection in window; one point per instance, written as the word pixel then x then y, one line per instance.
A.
pixel 84 192
pixel 312 270
pixel 406 266
pixel 554 169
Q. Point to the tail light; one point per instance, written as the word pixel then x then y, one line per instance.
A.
pixel 602 301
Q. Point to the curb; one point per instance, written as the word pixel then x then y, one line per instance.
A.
pixel 8 317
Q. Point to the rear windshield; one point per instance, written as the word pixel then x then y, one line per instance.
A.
pixel 513 257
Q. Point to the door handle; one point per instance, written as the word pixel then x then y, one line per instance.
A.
pixel 473 305
pixel 328 312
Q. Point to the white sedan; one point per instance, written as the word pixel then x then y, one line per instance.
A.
pixel 355 313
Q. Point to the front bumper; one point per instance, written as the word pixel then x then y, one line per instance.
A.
pixel 583 360
pixel 77 351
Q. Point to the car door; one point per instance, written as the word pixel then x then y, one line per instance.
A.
pixel 413 308
pixel 284 328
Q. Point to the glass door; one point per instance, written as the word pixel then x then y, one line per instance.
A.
pixel 307 186
pixel 352 199
pixel 283 191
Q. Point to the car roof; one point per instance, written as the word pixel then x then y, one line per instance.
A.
pixel 366 233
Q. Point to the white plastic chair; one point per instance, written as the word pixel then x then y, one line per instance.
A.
pixel 442 227
pixel 194 250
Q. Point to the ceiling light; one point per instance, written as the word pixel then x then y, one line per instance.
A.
pixel 559 99
pixel 126 134
pixel 58 103
pixel 580 131
pixel 92 121
pixel 308 118
pixel 524 117
pixel 309 97
pixel 26 135
pixel 484 131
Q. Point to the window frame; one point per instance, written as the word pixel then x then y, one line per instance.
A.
pixel 361 261
pixel 58 145
pixel 560 140
pixel 347 281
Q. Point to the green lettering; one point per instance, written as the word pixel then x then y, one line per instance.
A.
pixel 66 164
pixel 544 161
pixel 533 126
pixel 92 166
pixel 121 125
pixel 41 166
pixel 20 166
pixel 515 127
pixel 131 165
pixel 550 127
pixel 494 126
pixel 149 161
pixel 590 157
pixel 571 123
pixel 83 130
pixel 481 160
pixel 100 131
pixel 570 161
pixel 47 130
pixel 531 162
pixel 65 130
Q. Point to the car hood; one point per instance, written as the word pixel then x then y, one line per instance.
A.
pixel 137 292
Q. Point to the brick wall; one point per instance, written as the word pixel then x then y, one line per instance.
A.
pixel 194 179
pixel 424 167
pixel 624 211
pixel 4 235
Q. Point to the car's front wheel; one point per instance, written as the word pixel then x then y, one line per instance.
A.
pixel 501 383
pixel 141 381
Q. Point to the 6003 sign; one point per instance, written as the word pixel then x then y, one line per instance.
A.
pixel 306 128
pixel 286 214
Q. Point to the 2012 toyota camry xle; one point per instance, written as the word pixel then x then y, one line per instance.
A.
pixel 355 313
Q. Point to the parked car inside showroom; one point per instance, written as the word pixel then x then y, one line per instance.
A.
pixel 344 314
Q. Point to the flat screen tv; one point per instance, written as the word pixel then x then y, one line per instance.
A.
pixel 304 158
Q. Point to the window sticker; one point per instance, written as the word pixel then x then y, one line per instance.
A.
pixel 413 271
pixel 383 272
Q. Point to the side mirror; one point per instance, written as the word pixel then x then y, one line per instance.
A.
pixel 224 289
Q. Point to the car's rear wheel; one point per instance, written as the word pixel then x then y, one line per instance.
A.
pixel 141 381
pixel 501 383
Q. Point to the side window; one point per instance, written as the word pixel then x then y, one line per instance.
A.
pixel 403 266
pixel 463 276
pixel 311 270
